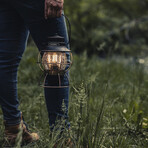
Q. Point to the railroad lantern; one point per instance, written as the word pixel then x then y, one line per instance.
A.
pixel 55 59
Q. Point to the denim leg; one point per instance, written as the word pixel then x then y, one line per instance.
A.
pixel 13 35
pixel 32 11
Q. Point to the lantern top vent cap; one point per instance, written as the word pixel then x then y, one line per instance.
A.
pixel 51 48
pixel 56 38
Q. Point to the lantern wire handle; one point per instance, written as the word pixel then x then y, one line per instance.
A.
pixel 69 31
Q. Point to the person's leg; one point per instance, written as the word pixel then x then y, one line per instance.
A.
pixel 13 36
pixel 32 11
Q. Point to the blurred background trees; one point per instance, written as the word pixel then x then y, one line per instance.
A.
pixel 109 26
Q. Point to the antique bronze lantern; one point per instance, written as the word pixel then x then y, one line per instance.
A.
pixel 55 59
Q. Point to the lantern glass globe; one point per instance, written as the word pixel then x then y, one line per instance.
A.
pixel 54 61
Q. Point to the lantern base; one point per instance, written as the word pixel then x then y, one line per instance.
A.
pixel 52 86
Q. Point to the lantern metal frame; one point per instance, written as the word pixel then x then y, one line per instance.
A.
pixel 54 45
pixel 58 72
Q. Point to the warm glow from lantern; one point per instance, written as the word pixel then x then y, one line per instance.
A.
pixel 55 58
pixel 53 61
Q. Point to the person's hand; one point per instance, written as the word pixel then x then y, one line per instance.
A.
pixel 53 8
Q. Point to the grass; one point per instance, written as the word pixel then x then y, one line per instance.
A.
pixel 108 103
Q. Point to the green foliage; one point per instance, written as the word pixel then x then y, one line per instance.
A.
pixel 134 118
pixel 100 92
pixel 108 26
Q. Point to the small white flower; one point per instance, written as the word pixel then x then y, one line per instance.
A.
pixel 124 111
pixel 145 119
pixel 144 124
pixel 141 61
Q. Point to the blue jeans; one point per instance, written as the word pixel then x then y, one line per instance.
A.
pixel 17 19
